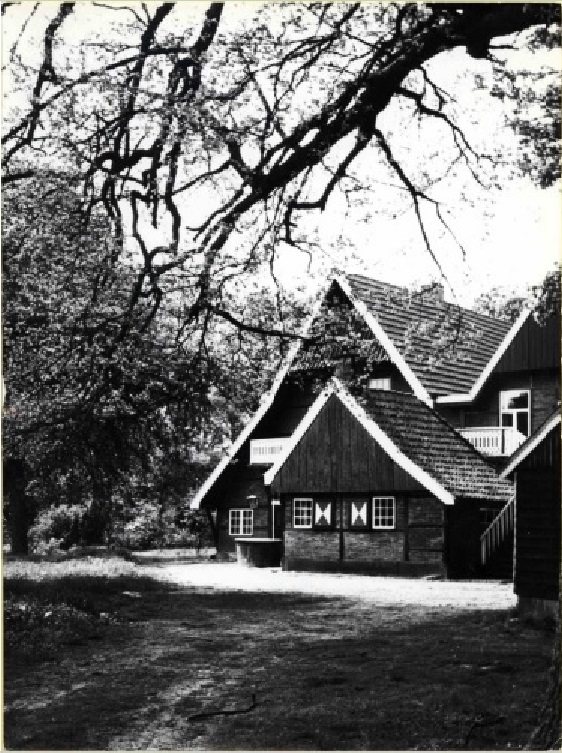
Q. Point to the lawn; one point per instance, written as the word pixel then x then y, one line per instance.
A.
pixel 108 654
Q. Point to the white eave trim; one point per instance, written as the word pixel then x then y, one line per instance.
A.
pixel 373 429
pixel 398 359
pixel 468 397
pixel 526 448
pixel 262 410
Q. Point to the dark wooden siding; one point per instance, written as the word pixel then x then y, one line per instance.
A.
pixel 462 549
pixel 231 493
pixel 485 411
pixel 338 455
pixel 535 346
pixel 537 537
pixel 240 479
pixel 289 407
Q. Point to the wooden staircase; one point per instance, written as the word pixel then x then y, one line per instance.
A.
pixel 496 543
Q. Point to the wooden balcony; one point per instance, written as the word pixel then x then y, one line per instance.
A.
pixel 494 440
pixel 266 451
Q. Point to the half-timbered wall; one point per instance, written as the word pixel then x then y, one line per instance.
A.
pixel 414 545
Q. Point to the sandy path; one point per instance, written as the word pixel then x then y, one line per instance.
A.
pixel 385 590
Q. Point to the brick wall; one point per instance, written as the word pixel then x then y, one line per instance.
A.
pixel 426 539
pixel 374 546
pixel 312 545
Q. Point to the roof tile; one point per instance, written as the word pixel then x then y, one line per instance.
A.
pixel 445 345
pixel 430 442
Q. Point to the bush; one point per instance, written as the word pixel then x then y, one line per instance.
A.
pixel 57 527
pixel 144 525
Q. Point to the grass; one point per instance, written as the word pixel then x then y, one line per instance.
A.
pixel 327 673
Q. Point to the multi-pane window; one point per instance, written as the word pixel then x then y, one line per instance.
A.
pixel 241 522
pixel 514 410
pixel 302 513
pixel 384 512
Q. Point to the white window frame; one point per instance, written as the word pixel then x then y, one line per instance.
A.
pixel 515 411
pixel 380 527
pixel 302 499
pixel 244 512
pixel 379 383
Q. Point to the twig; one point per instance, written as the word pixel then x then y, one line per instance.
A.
pixel 482 723
pixel 206 714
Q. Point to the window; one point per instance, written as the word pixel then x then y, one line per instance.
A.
pixel 379 383
pixel 241 522
pixel 302 513
pixel 384 512
pixel 515 409
pixel 323 513
pixel 358 513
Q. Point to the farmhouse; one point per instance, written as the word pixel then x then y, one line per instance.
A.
pixel 381 483
pixel 535 468
pixel 493 382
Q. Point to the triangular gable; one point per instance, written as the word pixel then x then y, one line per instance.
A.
pixel 531 443
pixel 270 397
pixel 373 429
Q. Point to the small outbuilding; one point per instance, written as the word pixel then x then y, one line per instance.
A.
pixel 380 483
pixel 535 468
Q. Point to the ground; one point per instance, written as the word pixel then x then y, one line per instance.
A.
pixel 139 656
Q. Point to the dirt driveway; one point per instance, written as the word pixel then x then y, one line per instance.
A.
pixel 298 661
pixel 385 590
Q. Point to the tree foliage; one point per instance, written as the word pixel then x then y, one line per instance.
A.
pixel 506 304
pixel 96 404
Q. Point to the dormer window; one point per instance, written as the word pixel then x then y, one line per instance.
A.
pixel 515 410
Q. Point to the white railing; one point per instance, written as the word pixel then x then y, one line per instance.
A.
pixel 498 530
pixel 494 440
pixel 266 451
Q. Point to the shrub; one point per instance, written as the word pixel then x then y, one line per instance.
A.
pixel 57 527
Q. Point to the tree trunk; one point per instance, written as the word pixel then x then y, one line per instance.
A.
pixel 18 512
pixel 97 517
